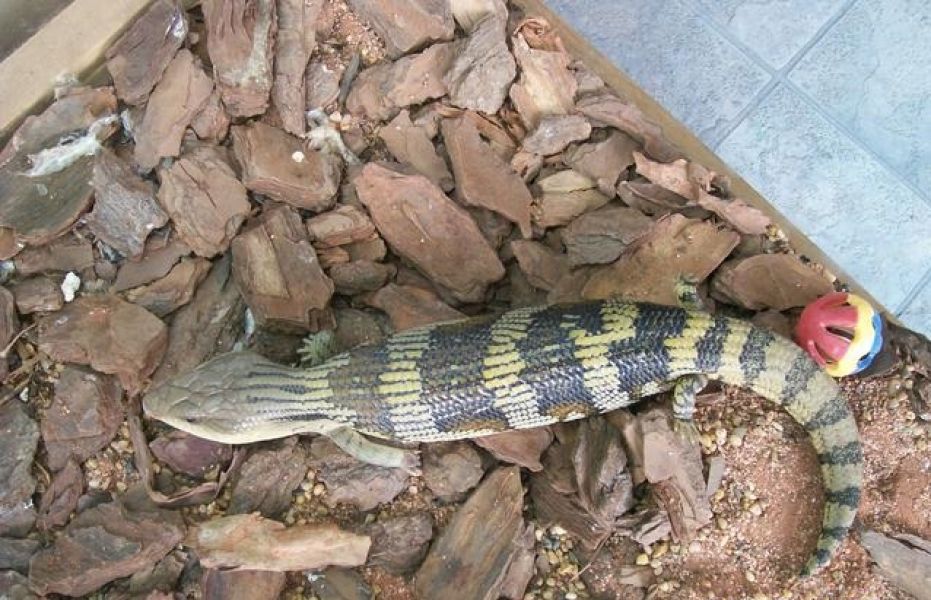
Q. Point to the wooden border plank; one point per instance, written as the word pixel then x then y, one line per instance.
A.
pixel 686 141
pixel 73 42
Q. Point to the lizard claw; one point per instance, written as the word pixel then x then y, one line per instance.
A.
pixel 410 463
pixel 686 430
pixel 317 347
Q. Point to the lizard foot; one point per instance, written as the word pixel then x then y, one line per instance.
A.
pixel 317 348
pixel 410 463
pixel 686 430
pixel 686 288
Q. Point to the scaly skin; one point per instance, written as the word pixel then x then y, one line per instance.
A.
pixel 526 368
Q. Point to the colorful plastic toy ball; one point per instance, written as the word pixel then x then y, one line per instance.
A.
pixel 842 332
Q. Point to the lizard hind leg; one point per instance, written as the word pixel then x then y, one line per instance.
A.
pixel 683 405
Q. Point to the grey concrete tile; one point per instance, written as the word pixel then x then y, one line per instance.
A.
pixel 871 72
pixel 677 57
pixel 917 315
pixel 869 222
pixel 775 29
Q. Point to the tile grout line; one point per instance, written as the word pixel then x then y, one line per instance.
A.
pixel 781 77
pixel 777 76
pixel 744 113
pixel 698 11
pixel 816 106
pixel 817 37
pixel 924 282
pixel 722 30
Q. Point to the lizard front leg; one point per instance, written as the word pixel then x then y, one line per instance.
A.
pixel 687 293
pixel 361 448
pixel 683 405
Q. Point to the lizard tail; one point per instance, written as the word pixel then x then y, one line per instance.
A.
pixel 780 371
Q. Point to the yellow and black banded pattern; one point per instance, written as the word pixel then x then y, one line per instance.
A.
pixel 525 368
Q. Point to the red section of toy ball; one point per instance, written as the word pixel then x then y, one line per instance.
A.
pixel 813 332
pixel 842 332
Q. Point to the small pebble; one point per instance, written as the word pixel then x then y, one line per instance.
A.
pixel 899 399
pixel 70 286
pixel 643 559
pixel 720 436
pixel 736 438
pixel 319 489
pixel 660 549
pixel 568 569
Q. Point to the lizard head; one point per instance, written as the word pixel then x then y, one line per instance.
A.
pixel 218 401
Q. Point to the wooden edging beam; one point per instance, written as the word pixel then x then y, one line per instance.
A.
pixel 685 140
pixel 74 41
pixel 71 43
